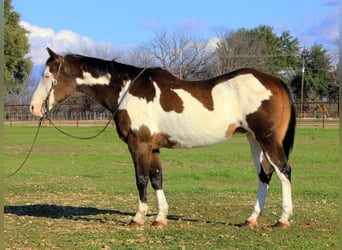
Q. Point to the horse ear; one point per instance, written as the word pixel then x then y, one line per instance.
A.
pixel 55 56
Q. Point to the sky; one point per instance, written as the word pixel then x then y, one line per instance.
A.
pixel 67 25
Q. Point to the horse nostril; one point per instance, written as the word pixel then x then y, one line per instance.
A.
pixel 31 108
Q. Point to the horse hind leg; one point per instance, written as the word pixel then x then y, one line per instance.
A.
pixel 264 172
pixel 156 178
pixel 275 155
pixel 277 159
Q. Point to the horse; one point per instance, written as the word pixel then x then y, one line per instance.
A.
pixel 153 109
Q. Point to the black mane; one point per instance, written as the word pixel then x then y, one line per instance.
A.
pixel 95 66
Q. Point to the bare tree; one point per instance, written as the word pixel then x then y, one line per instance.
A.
pixel 181 54
pixel 141 58
pixel 103 51
pixel 238 49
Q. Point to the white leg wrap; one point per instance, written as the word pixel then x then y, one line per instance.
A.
pixel 287 197
pixel 141 213
pixel 163 207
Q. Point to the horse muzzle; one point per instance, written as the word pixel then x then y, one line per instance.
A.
pixel 36 109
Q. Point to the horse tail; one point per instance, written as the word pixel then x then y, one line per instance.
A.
pixel 288 140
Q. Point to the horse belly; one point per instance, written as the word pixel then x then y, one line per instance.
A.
pixel 198 126
pixel 194 132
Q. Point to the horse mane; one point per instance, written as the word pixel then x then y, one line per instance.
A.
pixel 99 67
pixel 95 66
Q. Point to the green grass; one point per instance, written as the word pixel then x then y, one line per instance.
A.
pixel 75 194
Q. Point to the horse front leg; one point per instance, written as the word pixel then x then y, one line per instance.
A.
pixel 139 218
pixel 141 155
pixel 156 178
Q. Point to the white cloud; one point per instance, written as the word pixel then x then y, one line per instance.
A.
pixel 60 41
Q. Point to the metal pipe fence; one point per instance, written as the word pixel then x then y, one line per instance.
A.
pixel 72 112
pixel 64 112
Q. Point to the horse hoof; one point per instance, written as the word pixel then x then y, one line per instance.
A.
pixel 159 224
pixel 134 223
pixel 280 224
pixel 249 223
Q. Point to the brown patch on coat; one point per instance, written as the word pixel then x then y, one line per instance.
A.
pixel 170 101
pixel 270 122
pixel 202 92
pixel 277 108
pixel 231 130
pixel 163 140
pixel 122 124
pixel 143 88
pixel 123 127
pixel 143 136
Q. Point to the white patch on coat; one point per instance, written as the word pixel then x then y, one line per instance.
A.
pixel 249 93
pixel 42 91
pixel 48 76
pixel 43 86
pixel 88 79
pixel 233 100
pixel 124 91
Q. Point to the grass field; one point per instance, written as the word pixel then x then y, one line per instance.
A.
pixel 75 194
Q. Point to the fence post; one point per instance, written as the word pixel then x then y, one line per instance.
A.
pixel 10 116
pixel 77 114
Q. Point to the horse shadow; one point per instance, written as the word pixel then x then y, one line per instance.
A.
pixel 62 212
pixel 81 213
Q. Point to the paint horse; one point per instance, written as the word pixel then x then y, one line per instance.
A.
pixel 154 109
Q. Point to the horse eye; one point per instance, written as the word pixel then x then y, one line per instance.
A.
pixel 46 77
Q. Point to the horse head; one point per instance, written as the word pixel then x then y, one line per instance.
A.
pixel 56 84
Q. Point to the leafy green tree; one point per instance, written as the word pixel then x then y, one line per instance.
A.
pixel 281 51
pixel 259 48
pixel 334 86
pixel 17 66
pixel 318 75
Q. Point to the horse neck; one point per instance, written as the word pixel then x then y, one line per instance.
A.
pixel 107 92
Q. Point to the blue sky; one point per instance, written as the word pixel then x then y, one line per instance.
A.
pixel 66 25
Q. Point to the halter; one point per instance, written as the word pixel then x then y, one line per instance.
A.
pixel 54 82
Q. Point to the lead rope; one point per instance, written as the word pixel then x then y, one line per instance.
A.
pixel 75 136
pixel 30 150
pixel 65 133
